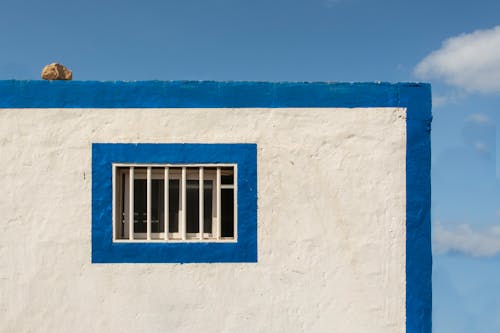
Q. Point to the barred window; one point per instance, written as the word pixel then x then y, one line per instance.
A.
pixel 174 203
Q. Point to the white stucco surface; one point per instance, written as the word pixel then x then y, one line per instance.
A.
pixel 331 225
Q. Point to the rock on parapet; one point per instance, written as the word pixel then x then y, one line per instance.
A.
pixel 56 71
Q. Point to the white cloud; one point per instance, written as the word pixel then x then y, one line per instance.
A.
pixel 469 61
pixel 450 98
pixel 463 239
pixel 481 147
pixel 478 118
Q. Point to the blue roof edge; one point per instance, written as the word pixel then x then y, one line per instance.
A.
pixel 203 94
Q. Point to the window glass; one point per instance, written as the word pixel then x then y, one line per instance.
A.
pixel 140 206
pixel 157 205
pixel 121 218
pixel 227 176
pixel 227 213
pixel 207 205
pixel 173 205
pixel 192 206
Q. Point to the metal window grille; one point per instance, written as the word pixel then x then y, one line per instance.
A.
pixel 174 203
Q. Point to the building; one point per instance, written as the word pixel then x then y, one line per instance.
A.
pixel 292 207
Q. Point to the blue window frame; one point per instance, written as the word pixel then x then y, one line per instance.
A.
pixel 104 250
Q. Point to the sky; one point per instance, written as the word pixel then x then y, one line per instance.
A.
pixel 454 45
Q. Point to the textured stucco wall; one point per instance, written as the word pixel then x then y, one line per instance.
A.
pixel 331 225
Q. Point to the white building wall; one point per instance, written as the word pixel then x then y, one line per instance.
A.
pixel 331 225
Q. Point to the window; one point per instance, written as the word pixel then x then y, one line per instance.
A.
pixel 205 212
pixel 174 202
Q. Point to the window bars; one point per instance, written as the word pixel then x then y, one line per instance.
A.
pixel 174 203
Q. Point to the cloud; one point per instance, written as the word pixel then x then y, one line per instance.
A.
pixel 480 133
pixel 450 98
pixel 478 118
pixel 469 61
pixel 464 240
pixel 481 147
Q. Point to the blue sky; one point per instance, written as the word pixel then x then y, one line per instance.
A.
pixel 455 45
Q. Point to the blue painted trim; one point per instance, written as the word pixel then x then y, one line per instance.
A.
pixel 182 94
pixel 103 248
pixel 417 100
pixel 202 94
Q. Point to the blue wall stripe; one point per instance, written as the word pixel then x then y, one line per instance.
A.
pixel 418 208
pixel 202 94
pixel 209 94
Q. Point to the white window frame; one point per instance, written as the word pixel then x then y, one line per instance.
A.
pixel 182 176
